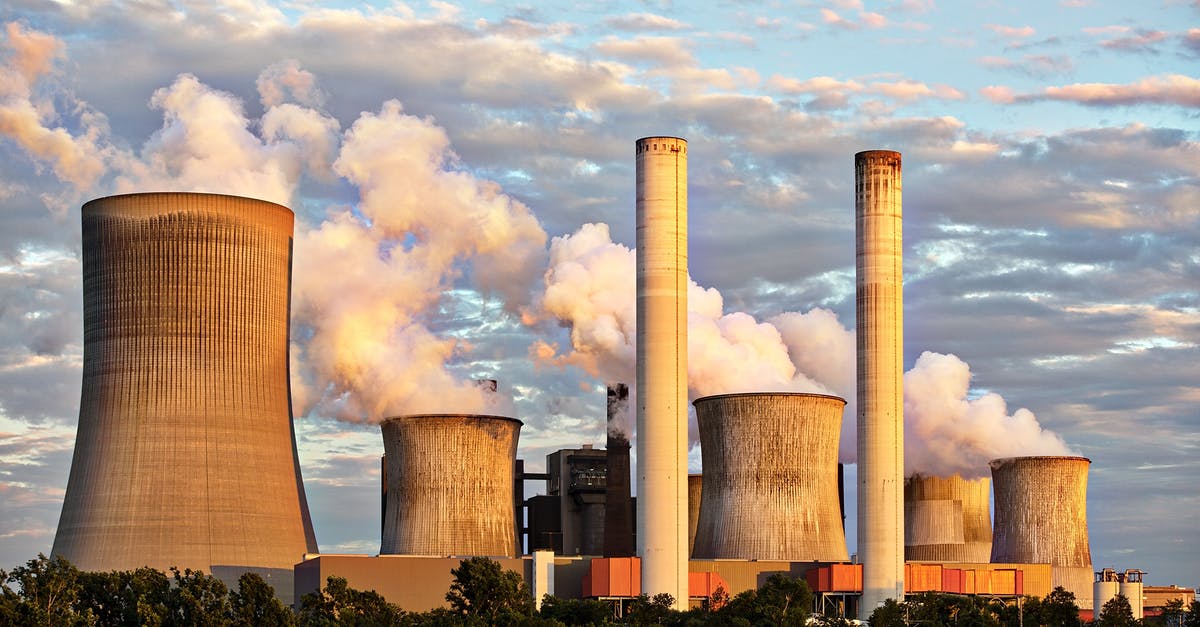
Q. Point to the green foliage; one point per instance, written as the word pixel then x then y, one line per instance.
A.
pixel 782 600
pixel 656 610
pixel 1193 616
pixel 197 599
pixel 1058 609
pixel 49 588
pixel 1116 612
pixel 482 589
pixel 254 604
pixel 890 614
pixel 339 604
pixel 575 611
pixel 126 598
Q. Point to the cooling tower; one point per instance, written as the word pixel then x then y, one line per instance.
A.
pixel 185 454
pixel 947 519
pixel 1041 518
pixel 695 485
pixel 770 478
pixel 880 337
pixel 662 427
pixel 450 485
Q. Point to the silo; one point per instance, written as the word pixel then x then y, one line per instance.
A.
pixel 1041 518
pixel 662 426
pixel 1104 589
pixel 185 454
pixel 1131 587
pixel 450 485
pixel 880 349
pixel 947 519
pixel 770 477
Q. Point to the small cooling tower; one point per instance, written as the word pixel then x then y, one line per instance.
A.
pixel 770 477
pixel 947 519
pixel 450 485
pixel 1041 518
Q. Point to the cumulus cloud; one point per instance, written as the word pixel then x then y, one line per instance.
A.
pixel 1011 32
pixel 644 22
pixel 866 19
pixel 1142 40
pixel 1168 89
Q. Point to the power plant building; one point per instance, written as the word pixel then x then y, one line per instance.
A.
pixel 880 341
pixel 947 519
pixel 185 453
pixel 450 485
pixel 662 426
pixel 1041 518
pixel 770 482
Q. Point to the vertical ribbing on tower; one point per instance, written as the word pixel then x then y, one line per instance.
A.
pixel 662 282
pixel 880 335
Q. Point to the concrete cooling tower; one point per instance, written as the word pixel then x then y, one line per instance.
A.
pixel 695 485
pixel 185 454
pixel 1041 518
pixel 770 488
pixel 450 485
pixel 947 519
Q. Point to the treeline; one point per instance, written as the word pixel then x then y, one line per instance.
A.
pixel 54 592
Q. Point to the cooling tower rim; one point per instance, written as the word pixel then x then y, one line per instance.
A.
pixel 1003 461
pixel 650 137
pixel 715 397
pixel 112 197
pixel 877 153
pixel 928 475
pixel 417 417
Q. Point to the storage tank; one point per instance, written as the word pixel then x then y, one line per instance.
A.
pixel 770 477
pixel 1131 587
pixel 1106 587
pixel 1041 518
pixel 185 454
pixel 450 485
pixel 947 519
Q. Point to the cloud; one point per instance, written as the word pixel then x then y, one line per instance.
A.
pixel 1011 32
pixel 866 19
pixel 1168 89
pixel 1142 40
pixel 644 22
pixel 1036 65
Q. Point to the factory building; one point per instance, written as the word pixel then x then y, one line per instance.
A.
pixel 879 313
pixel 947 519
pixel 185 454
pixel 770 482
pixel 662 426
pixel 450 485
pixel 1041 518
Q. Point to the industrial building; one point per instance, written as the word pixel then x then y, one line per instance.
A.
pixel 185 454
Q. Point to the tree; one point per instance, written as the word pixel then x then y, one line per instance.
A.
pixel 1116 613
pixel 255 604
pixel 482 589
pixel 575 611
pixel 129 598
pixel 890 614
pixel 1058 609
pixel 1173 613
pixel 656 610
pixel 782 600
pixel 1193 616
pixel 339 604
pixel 197 599
pixel 49 590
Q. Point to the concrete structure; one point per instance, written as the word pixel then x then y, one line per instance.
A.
pixel 947 519
pixel 1041 517
pixel 1131 587
pixel 1104 589
pixel 578 479
pixel 450 485
pixel 185 454
pixel 618 503
pixel 770 477
pixel 695 486
pixel 662 428
pixel 880 339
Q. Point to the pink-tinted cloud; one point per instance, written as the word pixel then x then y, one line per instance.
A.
pixel 1140 41
pixel 1191 40
pixel 866 19
pixel 1011 32
pixel 644 22
pixel 1167 89
pixel 1031 64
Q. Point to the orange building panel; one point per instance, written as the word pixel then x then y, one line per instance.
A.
pixel 703 585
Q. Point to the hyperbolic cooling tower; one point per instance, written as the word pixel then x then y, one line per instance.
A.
pixel 185 454
pixel 880 333
pixel 450 485
pixel 1041 518
pixel 947 519
pixel 662 426
pixel 695 485
pixel 770 489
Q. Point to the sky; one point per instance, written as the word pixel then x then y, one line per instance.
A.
pixel 462 176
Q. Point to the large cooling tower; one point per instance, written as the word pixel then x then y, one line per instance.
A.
pixel 880 336
pixel 1041 518
pixel 662 426
pixel 947 519
pixel 695 485
pixel 450 485
pixel 770 489
pixel 185 454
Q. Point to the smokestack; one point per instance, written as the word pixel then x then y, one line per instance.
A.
pixel 618 506
pixel 185 454
pixel 947 519
pixel 450 485
pixel 1041 518
pixel 662 429
pixel 770 477
pixel 880 331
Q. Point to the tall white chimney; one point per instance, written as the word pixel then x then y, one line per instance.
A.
pixel 880 331
pixel 662 432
